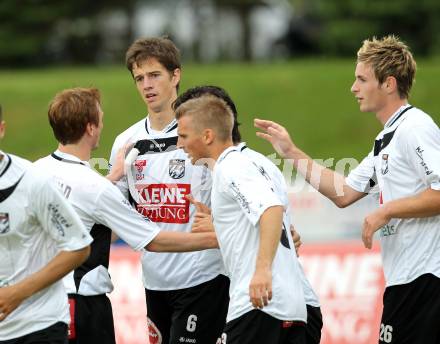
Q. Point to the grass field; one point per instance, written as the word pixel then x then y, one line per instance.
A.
pixel 310 97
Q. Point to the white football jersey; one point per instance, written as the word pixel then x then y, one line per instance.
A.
pixel 273 173
pixel 36 223
pixel 404 162
pixel 102 208
pixel 157 183
pixel 241 192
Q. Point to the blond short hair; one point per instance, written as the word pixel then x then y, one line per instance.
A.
pixel 389 56
pixel 209 112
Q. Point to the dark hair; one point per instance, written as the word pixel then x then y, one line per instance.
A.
pixel 71 110
pixel 160 48
pixel 198 91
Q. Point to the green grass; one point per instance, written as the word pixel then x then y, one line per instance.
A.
pixel 310 97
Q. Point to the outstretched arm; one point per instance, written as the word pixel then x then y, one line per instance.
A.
pixel 329 183
pixel 182 242
pixel 11 296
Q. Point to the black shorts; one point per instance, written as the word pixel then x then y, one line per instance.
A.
pixel 257 327
pixel 314 325
pixel 194 315
pixel 55 334
pixel 411 312
pixel 91 320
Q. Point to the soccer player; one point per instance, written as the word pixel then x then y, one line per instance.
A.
pixel 76 118
pixel 178 286
pixel 274 176
pixel 41 240
pixel 267 301
pixel 404 164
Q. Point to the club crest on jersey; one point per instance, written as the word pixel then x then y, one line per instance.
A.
pixel 176 168
pixel 384 168
pixel 4 223
pixel 140 166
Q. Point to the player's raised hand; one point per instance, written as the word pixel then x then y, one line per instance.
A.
pixel 372 223
pixel 200 207
pixel 118 169
pixel 260 288
pixel 277 135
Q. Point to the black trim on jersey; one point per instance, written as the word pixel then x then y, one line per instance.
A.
pixel 53 155
pixel 243 148
pixel 146 125
pixel 380 144
pixel 283 239
pixel 172 128
pixel 5 193
pixel 156 145
pixel 131 200
pixel 7 165
pixel 400 115
pixel 99 252
pixel 224 156
pixel 372 182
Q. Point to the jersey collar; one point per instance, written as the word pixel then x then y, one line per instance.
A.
pixel 399 113
pixel 69 158
pixel 241 146
pixel 226 152
pixel 5 162
pixel 168 128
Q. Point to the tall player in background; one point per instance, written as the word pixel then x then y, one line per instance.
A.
pixel 186 293
pixel 41 240
pixel 76 118
pixel 274 176
pixel 405 165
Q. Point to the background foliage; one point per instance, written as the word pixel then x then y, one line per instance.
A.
pixel 311 97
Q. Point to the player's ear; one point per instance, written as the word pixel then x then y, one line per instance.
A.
pixel 90 129
pixel 390 84
pixel 2 129
pixel 208 136
pixel 175 77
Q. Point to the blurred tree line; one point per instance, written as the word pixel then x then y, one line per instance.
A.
pixel 39 32
pixel 337 27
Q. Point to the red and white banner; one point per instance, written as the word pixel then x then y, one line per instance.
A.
pixel 347 277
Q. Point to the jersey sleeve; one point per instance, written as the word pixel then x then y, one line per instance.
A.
pixel 57 217
pixel 121 184
pixel 363 177
pixel 115 212
pixel 423 151
pixel 250 190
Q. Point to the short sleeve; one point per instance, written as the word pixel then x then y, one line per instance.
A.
pixel 250 190
pixel 57 217
pixel 115 212
pixel 423 151
pixel 363 177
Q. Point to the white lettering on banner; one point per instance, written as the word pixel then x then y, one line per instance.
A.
pixel 335 275
pixel 164 202
pixel 350 288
